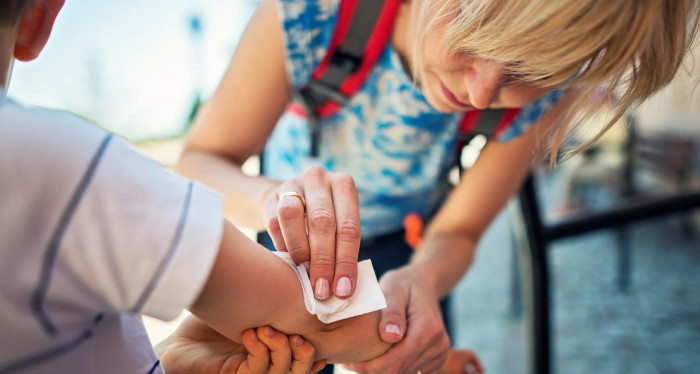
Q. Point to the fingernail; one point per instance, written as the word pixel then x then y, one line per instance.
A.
pixel 323 289
pixel 269 332
pixel 297 340
pixel 255 337
pixel 392 329
pixel 344 287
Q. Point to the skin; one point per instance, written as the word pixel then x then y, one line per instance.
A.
pixel 235 288
pixel 462 82
pixel 235 123
pixel 216 150
pixel 196 347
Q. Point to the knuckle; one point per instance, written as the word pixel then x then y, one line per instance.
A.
pixel 289 210
pixel 445 344
pixel 349 231
pixel 322 261
pixel 298 251
pixel 314 171
pixel 322 220
pixel 347 264
pixel 345 180
pixel 434 326
pixel 278 341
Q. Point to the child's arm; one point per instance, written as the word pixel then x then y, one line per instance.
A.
pixel 250 286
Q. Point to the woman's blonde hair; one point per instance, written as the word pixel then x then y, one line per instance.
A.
pixel 624 50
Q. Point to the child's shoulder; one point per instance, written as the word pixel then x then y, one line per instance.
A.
pixel 28 130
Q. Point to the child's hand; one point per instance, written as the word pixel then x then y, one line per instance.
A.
pixel 461 361
pixel 197 348
pixel 270 351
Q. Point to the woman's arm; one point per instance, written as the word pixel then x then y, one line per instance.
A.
pixel 236 121
pixel 233 125
pixel 250 286
pixel 447 251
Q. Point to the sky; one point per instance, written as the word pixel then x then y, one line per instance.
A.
pixel 133 67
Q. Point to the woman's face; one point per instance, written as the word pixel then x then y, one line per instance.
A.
pixel 461 82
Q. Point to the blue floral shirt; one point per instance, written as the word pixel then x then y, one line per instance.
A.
pixel 396 146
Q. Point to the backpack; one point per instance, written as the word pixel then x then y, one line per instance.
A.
pixel 362 31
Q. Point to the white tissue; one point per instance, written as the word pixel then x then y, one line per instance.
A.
pixel 368 297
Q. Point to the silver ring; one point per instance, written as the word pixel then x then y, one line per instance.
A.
pixel 294 194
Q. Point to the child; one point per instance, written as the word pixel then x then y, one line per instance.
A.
pixel 93 235
pixel 386 152
pixel 75 260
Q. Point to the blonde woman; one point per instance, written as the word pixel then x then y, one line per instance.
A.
pixel 385 153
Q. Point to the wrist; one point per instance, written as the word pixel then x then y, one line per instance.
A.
pixel 443 259
pixel 430 275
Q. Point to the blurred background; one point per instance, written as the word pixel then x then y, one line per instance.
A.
pixel 623 299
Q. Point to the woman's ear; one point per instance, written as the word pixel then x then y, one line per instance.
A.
pixel 35 27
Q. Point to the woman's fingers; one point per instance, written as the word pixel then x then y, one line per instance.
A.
pixel 321 222
pixel 291 213
pixel 348 235
pixel 411 320
pixel 316 217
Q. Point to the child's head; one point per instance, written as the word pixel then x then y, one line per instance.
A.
pixel 25 26
pixel 506 53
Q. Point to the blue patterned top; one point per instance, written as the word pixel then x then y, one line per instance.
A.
pixel 396 146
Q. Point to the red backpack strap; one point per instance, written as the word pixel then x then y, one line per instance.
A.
pixel 489 122
pixel 361 33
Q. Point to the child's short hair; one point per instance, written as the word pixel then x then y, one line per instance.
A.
pixel 11 10
pixel 624 49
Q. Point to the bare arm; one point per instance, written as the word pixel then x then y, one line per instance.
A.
pixel 236 121
pixel 250 286
pixel 450 240
pixel 446 253
pixel 234 125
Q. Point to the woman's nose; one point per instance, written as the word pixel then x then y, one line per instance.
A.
pixel 483 81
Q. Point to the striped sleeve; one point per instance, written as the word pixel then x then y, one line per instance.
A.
pixel 140 238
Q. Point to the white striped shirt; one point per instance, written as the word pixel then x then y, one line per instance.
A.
pixel 92 234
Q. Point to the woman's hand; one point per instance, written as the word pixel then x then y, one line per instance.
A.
pixel 197 348
pixel 316 217
pixel 411 302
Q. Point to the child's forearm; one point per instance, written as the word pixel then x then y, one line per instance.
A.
pixel 250 286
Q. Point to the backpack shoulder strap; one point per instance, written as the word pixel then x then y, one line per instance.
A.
pixel 362 31
pixel 489 122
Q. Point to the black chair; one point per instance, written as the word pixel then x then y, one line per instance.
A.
pixel 536 235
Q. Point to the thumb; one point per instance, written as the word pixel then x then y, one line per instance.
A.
pixel 392 325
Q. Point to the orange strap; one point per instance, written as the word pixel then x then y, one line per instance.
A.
pixel 413 226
